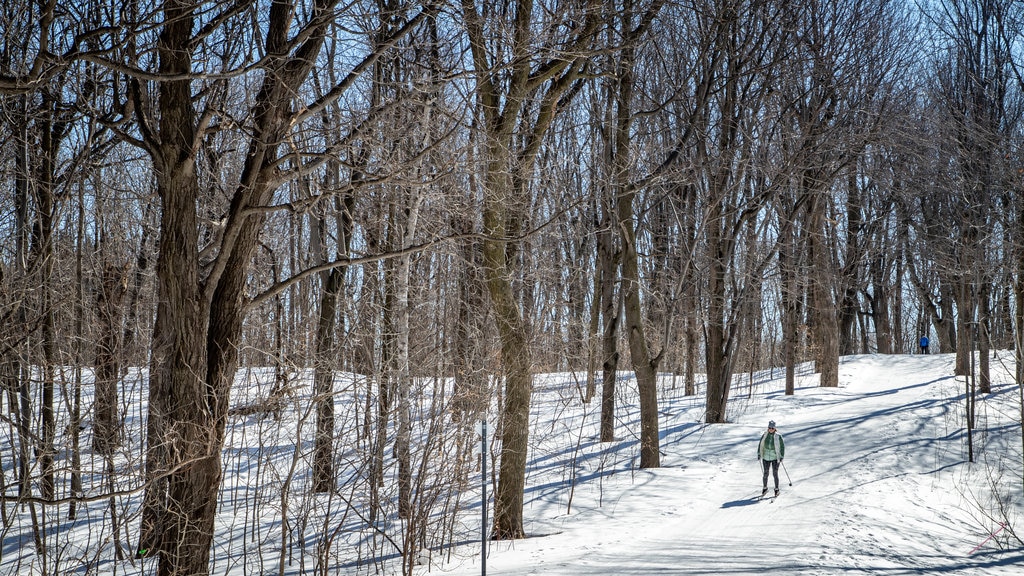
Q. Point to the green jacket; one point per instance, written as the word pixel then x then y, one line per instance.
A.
pixel 771 447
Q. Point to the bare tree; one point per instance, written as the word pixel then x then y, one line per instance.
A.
pixel 845 64
pixel 972 86
pixel 200 316
pixel 512 130
pixel 634 24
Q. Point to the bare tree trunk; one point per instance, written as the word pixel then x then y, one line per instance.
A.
pixel 512 138
pixel 851 272
pixel 880 306
pixel 790 302
pixel 965 305
pixel 607 261
pixel 469 397
pixel 19 381
pixel 984 336
pixel 404 376
pixel 1018 313
pixel 198 325
pixel 323 381
pixel 717 352
pixel 644 364
pixel 324 360
pixel 79 357
pixel 689 308
pixel 592 341
pixel 106 420
pixel 826 330
pixel 515 354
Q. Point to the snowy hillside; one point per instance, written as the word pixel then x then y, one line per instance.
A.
pixel 879 484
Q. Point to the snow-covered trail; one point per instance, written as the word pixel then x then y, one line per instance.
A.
pixel 872 463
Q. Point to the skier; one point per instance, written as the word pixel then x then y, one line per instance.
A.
pixel 924 344
pixel 770 450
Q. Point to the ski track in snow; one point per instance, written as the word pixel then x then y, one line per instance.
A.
pixel 873 463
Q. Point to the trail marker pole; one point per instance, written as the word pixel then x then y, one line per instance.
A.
pixel 483 497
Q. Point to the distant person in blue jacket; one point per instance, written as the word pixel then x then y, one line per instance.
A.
pixel 924 344
pixel 770 450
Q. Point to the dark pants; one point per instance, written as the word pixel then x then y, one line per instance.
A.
pixel 773 465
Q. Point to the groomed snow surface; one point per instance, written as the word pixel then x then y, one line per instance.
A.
pixel 880 482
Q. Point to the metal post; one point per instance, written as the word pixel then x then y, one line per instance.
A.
pixel 483 497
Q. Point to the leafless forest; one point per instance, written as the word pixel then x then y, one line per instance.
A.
pixel 362 227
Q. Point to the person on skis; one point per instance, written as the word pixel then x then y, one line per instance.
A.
pixel 771 450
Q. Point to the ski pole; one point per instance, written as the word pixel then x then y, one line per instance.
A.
pixel 786 471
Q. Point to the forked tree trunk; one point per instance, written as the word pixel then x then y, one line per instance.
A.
pixel 512 136
pixel 198 325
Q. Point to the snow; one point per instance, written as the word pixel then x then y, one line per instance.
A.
pixel 878 472
pixel 875 481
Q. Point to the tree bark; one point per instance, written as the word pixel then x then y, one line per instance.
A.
pixel 106 419
pixel 198 324
pixel 323 381
pixel 512 136
pixel 607 261
pixel 824 326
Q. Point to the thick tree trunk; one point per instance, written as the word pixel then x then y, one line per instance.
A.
pixel 850 276
pixel 719 341
pixel 945 324
pixel 181 461
pixel 198 326
pixel 499 219
pixel 183 457
pixel 516 362
pixel 790 312
pixel 717 357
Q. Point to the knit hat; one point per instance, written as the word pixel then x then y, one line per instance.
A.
pixel 771 423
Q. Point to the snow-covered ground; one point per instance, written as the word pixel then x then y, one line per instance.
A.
pixel 880 484
pixel 875 482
